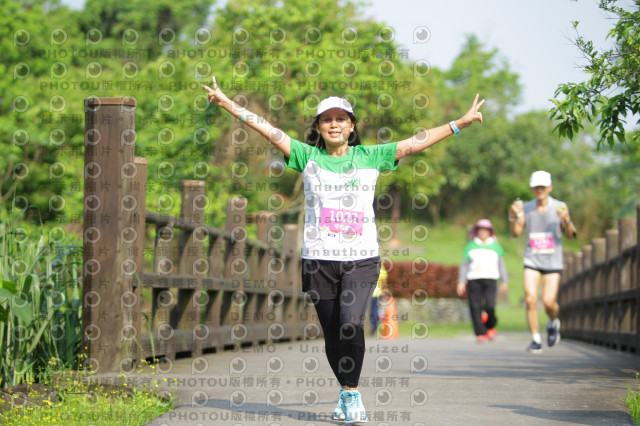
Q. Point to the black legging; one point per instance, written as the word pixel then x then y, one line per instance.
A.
pixel 342 324
pixel 482 296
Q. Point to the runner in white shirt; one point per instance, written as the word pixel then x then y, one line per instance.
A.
pixel 341 261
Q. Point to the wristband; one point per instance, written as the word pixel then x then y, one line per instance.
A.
pixel 244 110
pixel 454 128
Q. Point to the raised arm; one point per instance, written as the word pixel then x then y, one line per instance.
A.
pixel 277 137
pixel 425 139
pixel 517 220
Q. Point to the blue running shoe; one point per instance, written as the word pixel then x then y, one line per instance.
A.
pixel 534 347
pixel 354 409
pixel 339 412
pixel 553 332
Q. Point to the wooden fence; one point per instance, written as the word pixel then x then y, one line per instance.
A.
pixel 207 289
pixel 599 295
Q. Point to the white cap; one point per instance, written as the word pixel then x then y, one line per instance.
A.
pixel 540 178
pixel 334 102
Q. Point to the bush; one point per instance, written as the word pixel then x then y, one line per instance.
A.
pixel 407 277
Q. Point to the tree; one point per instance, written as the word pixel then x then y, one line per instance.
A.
pixel 30 174
pixel 613 91
pixel 462 163
pixel 285 56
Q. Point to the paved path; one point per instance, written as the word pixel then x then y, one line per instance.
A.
pixel 408 382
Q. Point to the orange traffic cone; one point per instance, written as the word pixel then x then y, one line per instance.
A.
pixel 389 329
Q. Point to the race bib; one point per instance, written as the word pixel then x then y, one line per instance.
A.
pixel 335 220
pixel 541 243
pixel 481 268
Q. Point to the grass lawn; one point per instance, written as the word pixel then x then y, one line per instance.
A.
pixel 511 318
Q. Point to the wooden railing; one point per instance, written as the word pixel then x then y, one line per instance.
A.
pixel 599 295
pixel 206 289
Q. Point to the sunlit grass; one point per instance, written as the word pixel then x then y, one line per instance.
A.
pixel 632 399
pixel 72 398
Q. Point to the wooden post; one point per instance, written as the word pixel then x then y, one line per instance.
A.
pixel 235 263
pixel 212 315
pixel 598 256
pixel 278 296
pixel 612 308
pixel 611 236
pixel 597 261
pixel 109 145
pixel 290 251
pixel 587 257
pixel 133 237
pixel 626 239
pixel 569 275
pixel 566 293
pixel 191 259
pixel 260 306
pixel 163 298
pixel 295 311
pixel 577 265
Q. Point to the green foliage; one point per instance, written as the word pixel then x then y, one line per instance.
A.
pixel 25 162
pixel 490 168
pixel 632 399
pixel 456 165
pixel 611 93
pixel 40 300
pixel 300 53
pixel 278 57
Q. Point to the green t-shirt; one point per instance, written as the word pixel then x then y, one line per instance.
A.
pixel 339 221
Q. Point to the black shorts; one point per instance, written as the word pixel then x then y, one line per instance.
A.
pixel 545 271
pixel 326 279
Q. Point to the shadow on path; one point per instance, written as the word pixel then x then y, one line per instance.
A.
pixel 576 417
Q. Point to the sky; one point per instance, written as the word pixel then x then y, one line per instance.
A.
pixel 534 37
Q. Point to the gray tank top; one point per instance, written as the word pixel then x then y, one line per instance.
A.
pixel 544 236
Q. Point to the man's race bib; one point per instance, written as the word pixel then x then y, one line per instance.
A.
pixel 541 242
pixel 335 220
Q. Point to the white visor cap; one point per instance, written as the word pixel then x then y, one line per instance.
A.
pixel 540 178
pixel 334 102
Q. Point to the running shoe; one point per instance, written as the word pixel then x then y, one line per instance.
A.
pixel 534 347
pixel 354 409
pixel 482 338
pixel 492 333
pixel 339 412
pixel 553 332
